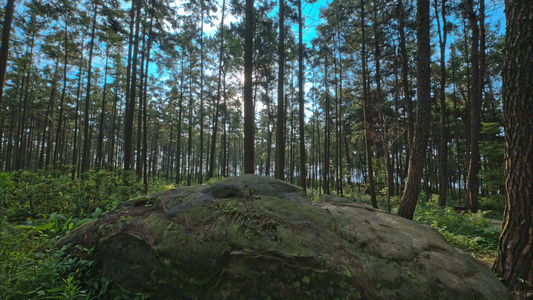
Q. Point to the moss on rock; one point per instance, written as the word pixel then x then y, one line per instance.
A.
pixel 254 237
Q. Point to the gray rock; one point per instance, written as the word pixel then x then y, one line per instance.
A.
pixel 253 237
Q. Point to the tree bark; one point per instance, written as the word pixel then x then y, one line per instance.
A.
pixel 417 159
pixel 475 113
pixel 217 105
pixel 301 111
pixel 180 114
pixel 515 250
pixel 62 102
pixel 76 118
pixel 405 83
pixel 443 143
pixel 381 109
pixel 248 90
pixel 280 130
pixel 130 105
pixel 366 115
pixel 326 173
pixel 191 122
pixel 145 108
pixel 85 161
pixel 4 48
pixel 201 160
pixel 100 147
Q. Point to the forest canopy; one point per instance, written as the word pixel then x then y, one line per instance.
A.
pixel 156 87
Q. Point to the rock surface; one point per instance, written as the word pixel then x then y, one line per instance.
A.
pixel 254 237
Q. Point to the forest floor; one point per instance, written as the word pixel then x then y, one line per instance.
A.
pixel 496 223
pixel 488 258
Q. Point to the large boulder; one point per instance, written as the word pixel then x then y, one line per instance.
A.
pixel 254 237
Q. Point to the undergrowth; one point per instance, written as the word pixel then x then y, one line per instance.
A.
pixel 471 232
pixel 37 209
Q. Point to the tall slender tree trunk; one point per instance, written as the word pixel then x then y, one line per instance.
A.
pixel 417 159
pixel 85 163
pixel 201 159
pixel 280 130
pixel 76 118
pixel 475 113
pixel 21 143
pixel 366 115
pixel 405 82
pixel 4 47
pixel 145 108
pixel 62 102
pixel 142 74
pixel 340 113
pixel 381 109
pixel 327 141
pixel 224 127
pixel 130 105
pixel 191 122
pixel 180 114
pixel 217 105
pixel 301 100
pixel 100 152
pixel 111 153
pixel 443 145
pixel 337 117
pixel 50 115
pixel 249 126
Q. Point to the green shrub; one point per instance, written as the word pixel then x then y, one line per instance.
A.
pixel 27 194
pixel 495 204
pixel 469 232
pixel 31 267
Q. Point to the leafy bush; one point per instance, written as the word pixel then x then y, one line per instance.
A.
pixel 469 232
pixel 36 209
pixel 27 194
pixel 31 267
pixel 495 204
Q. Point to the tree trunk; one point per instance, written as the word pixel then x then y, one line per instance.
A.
pixel 301 110
pixel 280 130
pixel 381 109
pixel 50 116
pixel 475 113
pixel 443 145
pixel 405 82
pixel 4 48
pixel 217 105
pixel 145 110
pixel 189 141
pixel 100 152
pixel 366 115
pixel 62 102
pixel 142 74
pixel 224 127
pixel 417 159
pixel 85 164
pixel 248 90
pixel 111 148
pixel 76 119
pixel 514 262
pixel 130 105
pixel 326 179
pixel 201 160
pixel 180 114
